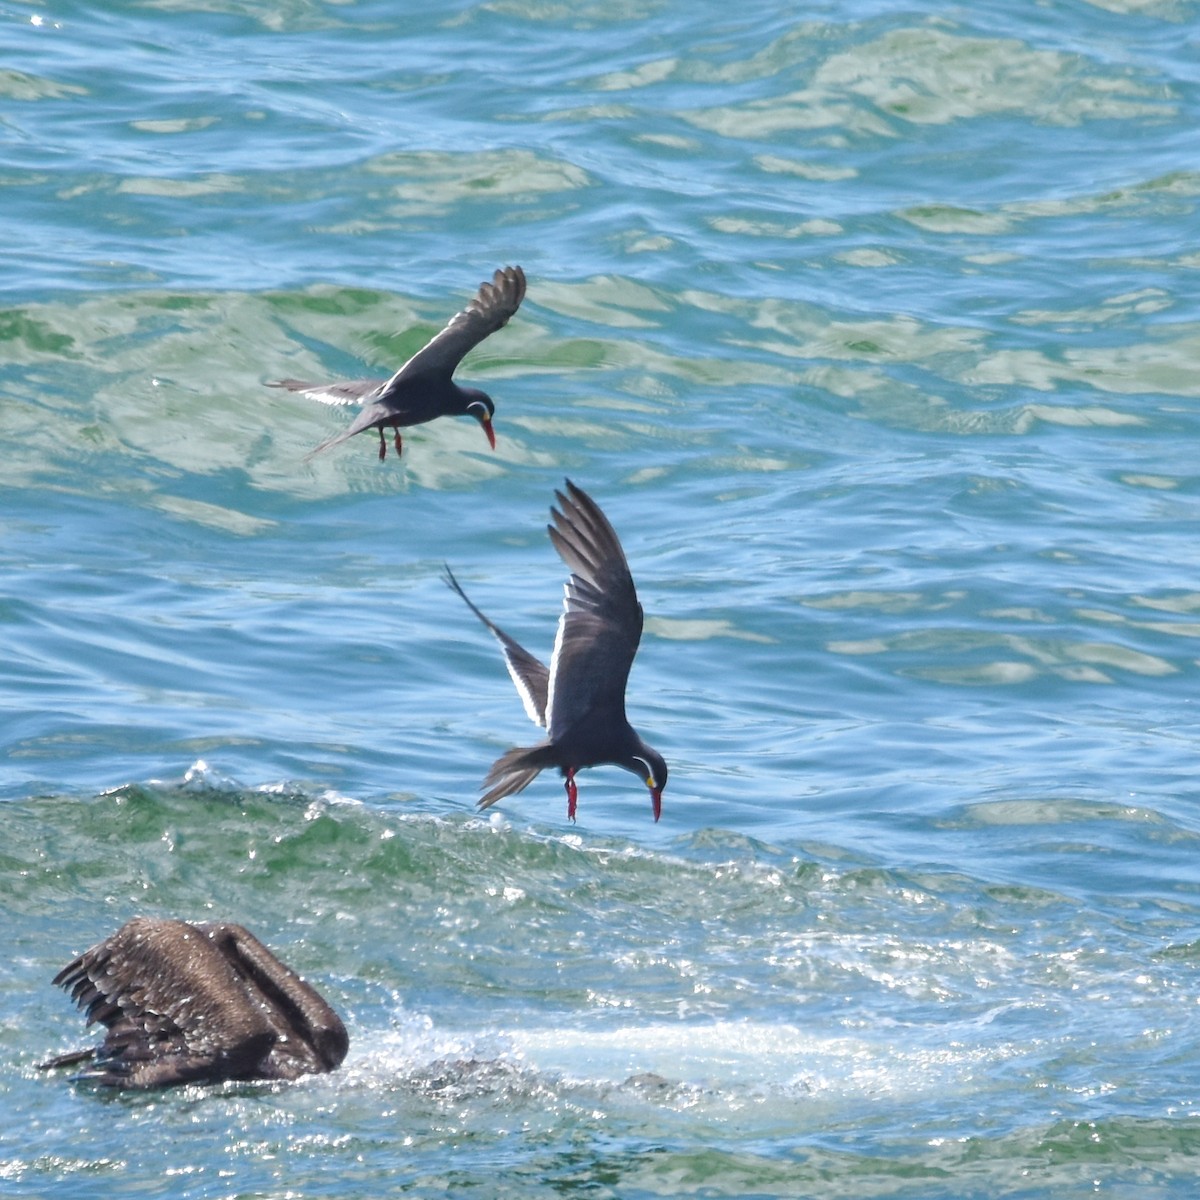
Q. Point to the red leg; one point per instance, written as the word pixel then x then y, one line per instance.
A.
pixel 382 445
pixel 399 448
pixel 572 794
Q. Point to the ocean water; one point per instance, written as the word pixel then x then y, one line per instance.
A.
pixel 874 329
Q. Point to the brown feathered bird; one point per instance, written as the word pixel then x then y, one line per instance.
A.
pixel 423 388
pixel 580 698
pixel 196 1004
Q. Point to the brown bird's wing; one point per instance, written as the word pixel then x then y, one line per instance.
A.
pixel 490 310
pixel 601 623
pixel 174 1008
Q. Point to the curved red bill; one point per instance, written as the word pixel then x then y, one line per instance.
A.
pixel 656 801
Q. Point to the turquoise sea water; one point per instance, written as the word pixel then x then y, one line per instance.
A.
pixel 873 328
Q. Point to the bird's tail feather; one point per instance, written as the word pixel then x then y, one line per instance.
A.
pixel 330 441
pixel 68 1060
pixel 515 770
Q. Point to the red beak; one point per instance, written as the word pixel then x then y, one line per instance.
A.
pixel 487 428
pixel 656 801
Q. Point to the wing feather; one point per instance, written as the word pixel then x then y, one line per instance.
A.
pixel 150 996
pixel 601 623
pixel 529 674
pixel 187 1002
pixel 492 306
pixel 353 391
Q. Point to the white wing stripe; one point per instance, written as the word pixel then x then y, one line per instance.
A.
pixel 526 695
pixel 559 637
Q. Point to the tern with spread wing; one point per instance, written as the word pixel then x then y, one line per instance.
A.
pixel 580 698
pixel 423 389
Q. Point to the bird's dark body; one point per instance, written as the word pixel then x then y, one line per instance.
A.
pixel 580 698
pixel 200 1003
pixel 423 388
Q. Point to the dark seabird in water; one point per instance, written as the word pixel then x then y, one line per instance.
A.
pixel 196 1004
pixel 423 388
pixel 580 699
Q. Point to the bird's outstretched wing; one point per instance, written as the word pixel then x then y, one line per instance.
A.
pixel 354 391
pixel 490 310
pixel 528 674
pixel 183 1003
pixel 601 623
pixel 141 984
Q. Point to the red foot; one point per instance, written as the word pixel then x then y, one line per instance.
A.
pixel 399 448
pixel 572 795
pixel 382 446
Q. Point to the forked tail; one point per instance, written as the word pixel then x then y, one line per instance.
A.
pixel 515 770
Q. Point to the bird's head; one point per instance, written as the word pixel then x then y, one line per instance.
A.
pixel 331 1042
pixel 648 765
pixel 479 405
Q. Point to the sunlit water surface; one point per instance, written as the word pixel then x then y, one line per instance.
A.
pixel 874 330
